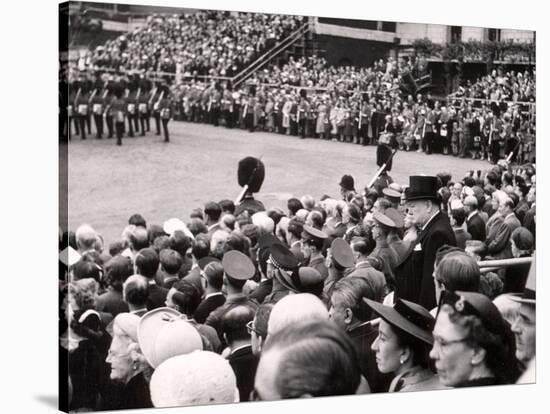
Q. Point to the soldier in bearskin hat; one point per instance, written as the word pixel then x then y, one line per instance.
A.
pixel 165 107
pixel 143 103
pixel 118 111
pixel 250 175
pixel 82 108
pixel 131 102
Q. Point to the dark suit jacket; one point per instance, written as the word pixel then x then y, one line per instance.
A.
pixel 111 302
pixel 476 227
pixel 207 306
pixel 157 297
pixel 362 337
pixel 263 289
pixel 413 276
pixel 194 277
pixel 244 364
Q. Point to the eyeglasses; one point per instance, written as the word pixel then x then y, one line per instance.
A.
pixel 250 328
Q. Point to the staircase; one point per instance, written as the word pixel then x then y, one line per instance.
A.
pixel 296 44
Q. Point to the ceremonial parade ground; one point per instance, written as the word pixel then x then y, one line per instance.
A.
pixel 107 183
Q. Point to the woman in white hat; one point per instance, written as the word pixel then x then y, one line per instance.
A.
pixel 128 366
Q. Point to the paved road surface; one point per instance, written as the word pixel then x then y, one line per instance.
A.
pixel 107 184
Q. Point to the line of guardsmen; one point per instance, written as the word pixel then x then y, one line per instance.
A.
pixel 287 113
pixel 122 104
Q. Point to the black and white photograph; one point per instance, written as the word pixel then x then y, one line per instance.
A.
pixel 266 205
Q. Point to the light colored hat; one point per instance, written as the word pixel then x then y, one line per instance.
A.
pixel 162 335
pixel 128 324
pixel 172 225
pixel 200 377
pixel 263 221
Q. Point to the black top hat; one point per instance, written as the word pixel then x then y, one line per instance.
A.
pixel 422 187
pixel 347 183
pixel 410 317
pixel 251 171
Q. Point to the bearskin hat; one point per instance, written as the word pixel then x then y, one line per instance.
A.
pixel 251 171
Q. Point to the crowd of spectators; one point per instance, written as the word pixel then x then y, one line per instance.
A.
pixel 213 43
pixel 502 86
pixel 242 302
pixel 365 106
pixel 491 119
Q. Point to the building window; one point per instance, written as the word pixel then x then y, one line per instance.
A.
pixel 456 34
pixel 493 35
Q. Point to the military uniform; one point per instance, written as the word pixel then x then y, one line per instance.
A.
pixel 98 106
pixel 82 107
pixel 118 109
pixel 166 110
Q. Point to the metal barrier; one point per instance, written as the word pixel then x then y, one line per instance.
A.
pixel 486 266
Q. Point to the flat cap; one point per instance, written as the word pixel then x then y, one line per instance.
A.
pixel 237 265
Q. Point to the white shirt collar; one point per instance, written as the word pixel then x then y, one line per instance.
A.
pixel 473 213
pixel 213 294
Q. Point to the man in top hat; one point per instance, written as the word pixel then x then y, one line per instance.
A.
pixel 413 275
pixel 340 258
pixel 524 327
pixel 238 268
pixel 347 187
pixel 250 175
pixel 312 247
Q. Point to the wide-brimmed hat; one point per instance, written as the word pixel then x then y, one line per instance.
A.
pixel 162 334
pixel 422 187
pixel 410 317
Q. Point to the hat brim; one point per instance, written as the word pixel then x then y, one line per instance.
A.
pixel 391 316
pixel 149 326
pixel 423 197
pixel 520 299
